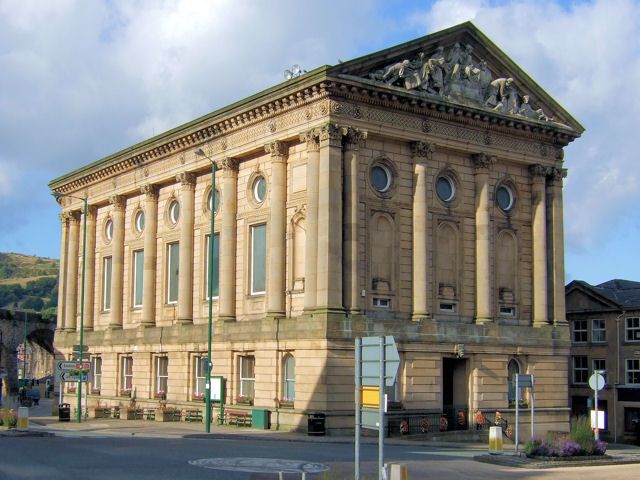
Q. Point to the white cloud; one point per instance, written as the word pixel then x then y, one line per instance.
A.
pixel 586 55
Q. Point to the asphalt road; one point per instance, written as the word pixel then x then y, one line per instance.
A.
pixel 98 457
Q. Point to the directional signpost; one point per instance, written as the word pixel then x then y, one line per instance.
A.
pixel 73 371
pixel 597 383
pixel 523 381
pixel 377 362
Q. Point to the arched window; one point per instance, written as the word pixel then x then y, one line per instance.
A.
pixel 513 369
pixel 288 378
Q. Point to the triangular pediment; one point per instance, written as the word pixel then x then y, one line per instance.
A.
pixel 580 296
pixel 460 66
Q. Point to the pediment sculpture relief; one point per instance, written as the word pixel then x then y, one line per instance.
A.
pixel 458 77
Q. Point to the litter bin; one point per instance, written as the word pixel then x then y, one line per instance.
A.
pixel 64 412
pixel 261 419
pixel 316 424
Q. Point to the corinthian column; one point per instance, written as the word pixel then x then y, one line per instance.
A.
pixel 539 227
pixel 330 219
pixel 71 303
pixel 277 228
pixel 311 225
pixel 227 301
pixel 421 152
pixel 150 253
pixel 557 243
pixel 353 139
pixel 62 277
pixel 482 163
pixel 117 259
pixel 185 275
pixel 90 268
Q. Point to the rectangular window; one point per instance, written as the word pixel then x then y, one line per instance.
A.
pixel 633 371
pixel 382 302
pixel 96 375
pixel 138 275
pixel 598 331
pixel 216 265
pixel 631 420
pixel 633 329
pixel 126 374
pixel 258 258
pixel 448 307
pixel 580 369
pixel 507 311
pixel 173 267
pixel 247 377
pixel 162 377
pixel 199 376
pixel 600 364
pixel 106 284
pixel 580 331
pixel 289 379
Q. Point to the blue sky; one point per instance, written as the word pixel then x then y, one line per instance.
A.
pixel 82 79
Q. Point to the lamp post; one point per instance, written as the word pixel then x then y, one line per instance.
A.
pixel 58 195
pixel 199 152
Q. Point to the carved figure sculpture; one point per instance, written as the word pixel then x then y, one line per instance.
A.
pixel 393 72
pixel 498 91
pixel 433 73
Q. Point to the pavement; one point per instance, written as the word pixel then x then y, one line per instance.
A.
pixel 42 423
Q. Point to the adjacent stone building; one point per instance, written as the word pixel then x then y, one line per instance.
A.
pixel 413 192
pixel 605 336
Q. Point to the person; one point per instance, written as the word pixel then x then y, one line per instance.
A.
pixel 35 395
pixel 49 389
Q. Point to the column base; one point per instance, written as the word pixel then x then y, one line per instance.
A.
pixel 483 320
pixel 227 318
pixel 184 321
pixel 541 323
pixel 420 317
pixel 276 315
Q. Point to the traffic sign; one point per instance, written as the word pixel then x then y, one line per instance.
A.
pixel 525 381
pixel 370 397
pixel 74 377
pixel 597 381
pixel 72 371
pixel 371 361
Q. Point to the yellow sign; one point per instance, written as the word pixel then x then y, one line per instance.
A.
pixel 370 397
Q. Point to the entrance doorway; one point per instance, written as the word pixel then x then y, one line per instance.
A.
pixel 455 392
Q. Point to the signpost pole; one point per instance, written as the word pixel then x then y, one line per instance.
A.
pixel 533 403
pixel 358 405
pixel 381 411
pixel 596 431
pixel 517 413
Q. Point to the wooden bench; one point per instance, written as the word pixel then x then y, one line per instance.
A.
pixel 149 413
pixel 115 412
pixel 192 415
pixel 239 418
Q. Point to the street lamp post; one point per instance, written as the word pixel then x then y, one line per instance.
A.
pixel 57 195
pixel 207 422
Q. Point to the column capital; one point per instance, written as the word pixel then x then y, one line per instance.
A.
pixel 311 137
pixel 422 149
pixel 149 190
pixel 117 201
pixel 186 179
pixel 92 210
pixel 228 164
pixel 63 216
pixel 277 148
pixel 73 216
pixel 332 133
pixel 556 174
pixel 482 161
pixel 353 137
pixel 538 171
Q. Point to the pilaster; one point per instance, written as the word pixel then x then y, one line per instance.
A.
pixel 311 138
pixel 118 203
pixel 62 277
pixel 89 268
pixel 555 223
pixel 227 301
pixel 71 303
pixel 150 254
pixel 539 228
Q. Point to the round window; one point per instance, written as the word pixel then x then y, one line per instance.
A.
pixel 217 205
pixel 140 221
pixel 259 189
pixel 108 229
pixel 174 211
pixel 504 198
pixel 381 178
pixel 445 188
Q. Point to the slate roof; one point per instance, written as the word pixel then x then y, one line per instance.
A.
pixel 624 293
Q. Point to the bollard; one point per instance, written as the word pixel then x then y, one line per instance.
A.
pixel 23 419
pixel 397 471
pixel 495 440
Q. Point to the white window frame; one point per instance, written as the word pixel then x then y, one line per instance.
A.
pixel 126 379
pixel 600 365
pixel 161 365
pixel 96 374
pixel 172 301
pixel 106 282
pixel 594 338
pixel 632 369
pixel 199 375
pixel 632 329
pixel 244 391
pixel 253 257
pixel 582 368
pixel 582 331
pixel 136 272
pixel 207 239
pixel 288 378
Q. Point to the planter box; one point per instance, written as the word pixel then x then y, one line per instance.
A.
pixel 167 415
pixel 127 413
pixel 99 412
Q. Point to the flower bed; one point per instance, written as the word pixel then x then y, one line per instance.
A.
pixel 579 443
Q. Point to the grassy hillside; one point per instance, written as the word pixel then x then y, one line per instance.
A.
pixel 28 283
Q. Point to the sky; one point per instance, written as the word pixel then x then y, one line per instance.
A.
pixel 82 79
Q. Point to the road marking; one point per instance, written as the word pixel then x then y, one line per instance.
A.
pixel 450 453
pixel 259 465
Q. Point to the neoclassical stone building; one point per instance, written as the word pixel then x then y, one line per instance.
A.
pixel 414 192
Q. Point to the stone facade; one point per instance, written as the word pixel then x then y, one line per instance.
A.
pixel 348 206
pixel 605 335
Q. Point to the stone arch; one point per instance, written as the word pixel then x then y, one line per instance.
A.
pixel 382 240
